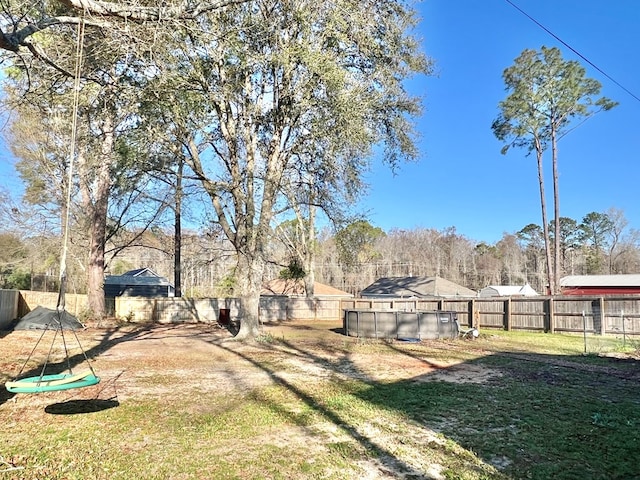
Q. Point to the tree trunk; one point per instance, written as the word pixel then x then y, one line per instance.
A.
pixel 95 184
pixel 309 254
pixel 177 235
pixel 309 278
pixel 556 211
pixel 97 239
pixel 249 283
pixel 545 222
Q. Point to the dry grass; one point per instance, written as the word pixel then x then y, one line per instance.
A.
pixel 304 401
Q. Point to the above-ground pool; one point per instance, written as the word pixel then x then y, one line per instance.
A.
pixel 400 325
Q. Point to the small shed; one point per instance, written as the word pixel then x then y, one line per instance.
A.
pixel 142 282
pixel 415 287
pixel 628 284
pixel 508 291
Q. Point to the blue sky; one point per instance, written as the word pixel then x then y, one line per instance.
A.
pixel 462 179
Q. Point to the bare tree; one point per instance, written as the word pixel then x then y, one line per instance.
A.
pixel 619 242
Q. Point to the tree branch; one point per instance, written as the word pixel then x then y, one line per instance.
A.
pixel 38 53
pixel 12 41
pixel 144 14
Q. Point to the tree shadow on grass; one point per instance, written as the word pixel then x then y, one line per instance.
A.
pixel 527 415
pixel 532 416
pixel 338 362
pixel 342 423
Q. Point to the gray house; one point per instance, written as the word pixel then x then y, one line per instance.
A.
pixel 142 282
pixel 415 287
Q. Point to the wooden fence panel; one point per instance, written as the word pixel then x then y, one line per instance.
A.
pixel 175 310
pixel 575 314
pixel 460 306
pixel 528 314
pixel 428 305
pixel 75 303
pixel 596 315
pixel 328 309
pixel 299 308
pixel 491 313
pixel 273 308
pixel 8 307
pixel 622 316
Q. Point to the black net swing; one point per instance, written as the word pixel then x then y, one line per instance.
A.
pixel 56 321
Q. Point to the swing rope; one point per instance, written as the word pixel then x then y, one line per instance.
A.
pixel 72 154
pixel 54 382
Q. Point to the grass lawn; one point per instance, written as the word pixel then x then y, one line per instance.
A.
pixel 306 402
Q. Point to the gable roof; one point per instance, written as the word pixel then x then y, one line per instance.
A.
pixel 416 287
pixel 279 286
pixel 507 291
pixel 627 280
pixel 136 280
pixel 140 272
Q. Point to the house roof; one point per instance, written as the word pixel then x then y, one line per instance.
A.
pixel 416 287
pixel 628 280
pixel 507 290
pixel 135 280
pixel 281 286
pixel 140 272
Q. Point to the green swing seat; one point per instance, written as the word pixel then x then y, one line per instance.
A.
pixel 53 383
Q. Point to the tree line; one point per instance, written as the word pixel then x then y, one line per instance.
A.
pixel 354 256
pixel 600 243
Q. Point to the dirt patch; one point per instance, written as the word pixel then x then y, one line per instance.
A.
pixel 462 373
pixel 136 361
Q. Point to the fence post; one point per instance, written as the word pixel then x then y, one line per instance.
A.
pixel 603 326
pixel 507 314
pixel 584 331
pixel 551 326
pixel 471 310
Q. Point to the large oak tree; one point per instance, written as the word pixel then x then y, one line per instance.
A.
pixel 289 96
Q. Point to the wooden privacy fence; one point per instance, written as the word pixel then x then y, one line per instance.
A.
pixel 598 315
pixel 176 310
pixel 16 304
pixel 75 303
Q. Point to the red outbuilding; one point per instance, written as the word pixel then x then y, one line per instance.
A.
pixel 600 284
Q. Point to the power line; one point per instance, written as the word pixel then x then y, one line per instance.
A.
pixel 573 49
